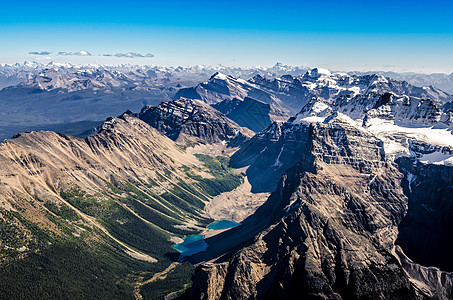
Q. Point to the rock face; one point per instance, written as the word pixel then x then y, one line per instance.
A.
pixel 190 121
pixel 388 106
pixel 399 121
pixel 270 153
pixel 430 215
pixel 226 87
pixel 335 216
pixel 431 281
pixel 251 113
pixel 291 93
pixel 329 229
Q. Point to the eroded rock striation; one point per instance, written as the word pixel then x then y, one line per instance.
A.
pixel 331 226
pixel 189 121
pixel 251 113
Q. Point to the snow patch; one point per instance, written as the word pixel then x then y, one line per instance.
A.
pixel 395 137
pixel 240 80
pixel 220 76
pixel 373 179
pixel 437 158
pixel 320 107
pixel 278 163
pixel 317 72
pixel 411 178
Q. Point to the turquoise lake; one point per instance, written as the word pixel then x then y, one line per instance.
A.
pixel 191 245
pixel 195 243
pixel 223 224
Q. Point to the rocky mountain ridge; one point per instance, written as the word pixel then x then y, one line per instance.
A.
pixel 341 189
pixel 341 198
pixel 188 121
pixel 399 121
pixel 359 176
pixel 100 215
pixel 292 93
pixel 251 113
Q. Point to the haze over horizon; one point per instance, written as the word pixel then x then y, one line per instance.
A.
pixel 345 36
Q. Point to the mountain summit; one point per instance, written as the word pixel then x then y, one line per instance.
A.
pixel 188 121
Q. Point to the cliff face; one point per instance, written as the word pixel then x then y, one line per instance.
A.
pixel 336 216
pixel 271 152
pixel 430 214
pixel 253 114
pixel 193 121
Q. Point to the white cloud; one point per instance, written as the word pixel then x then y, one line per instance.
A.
pixel 79 53
pixel 134 55
pixel 39 52
pixel 83 53
pixel 126 55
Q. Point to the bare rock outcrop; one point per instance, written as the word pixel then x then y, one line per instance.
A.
pixel 189 121
pixel 333 221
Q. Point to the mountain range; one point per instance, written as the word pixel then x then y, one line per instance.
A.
pixel 55 95
pixel 340 185
pixel 356 183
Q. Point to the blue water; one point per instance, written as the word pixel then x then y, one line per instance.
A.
pixel 191 245
pixel 224 224
pixel 195 243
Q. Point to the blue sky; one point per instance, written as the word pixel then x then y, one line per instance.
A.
pixel 340 35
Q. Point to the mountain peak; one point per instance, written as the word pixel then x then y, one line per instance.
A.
pixel 189 121
pixel 318 72
pixel 219 75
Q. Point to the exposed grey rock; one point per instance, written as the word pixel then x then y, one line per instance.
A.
pixel 270 153
pixel 251 113
pixel 426 232
pixel 291 93
pixel 333 222
pixel 190 121
pixel 428 280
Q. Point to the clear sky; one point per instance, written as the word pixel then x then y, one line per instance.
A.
pixel 339 35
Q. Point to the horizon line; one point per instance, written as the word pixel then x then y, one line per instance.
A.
pixel 207 66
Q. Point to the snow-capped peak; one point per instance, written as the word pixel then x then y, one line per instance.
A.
pixel 318 72
pixel 218 75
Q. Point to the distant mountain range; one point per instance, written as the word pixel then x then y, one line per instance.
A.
pixel 40 96
pixel 14 74
pixel 439 80
pixel 276 98
pixel 291 93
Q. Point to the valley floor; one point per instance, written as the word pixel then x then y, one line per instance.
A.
pixel 237 204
